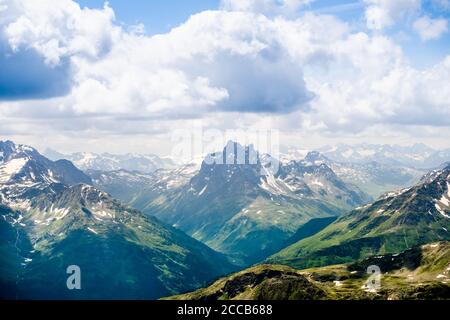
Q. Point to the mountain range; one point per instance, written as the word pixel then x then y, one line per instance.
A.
pixel 417 156
pixel 244 209
pixel 394 222
pixel 373 177
pixel 140 228
pixel 144 163
pixel 52 217
pixel 134 186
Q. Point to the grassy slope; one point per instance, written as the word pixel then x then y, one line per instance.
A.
pixel 419 273
pixel 388 225
pixel 130 257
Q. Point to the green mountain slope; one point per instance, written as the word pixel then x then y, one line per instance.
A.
pixel 47 225
pixel 395 222
pixel 419 273
pixel 122 253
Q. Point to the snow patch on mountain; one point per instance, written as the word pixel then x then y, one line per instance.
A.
pixel 11 168
pixel 441 211
pixel 113 162
pixel 203 190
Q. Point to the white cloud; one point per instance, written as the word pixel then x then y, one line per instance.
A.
pixel 400 95
pixel 58 29
pixel 430 29
pixel 236 65
pixel 381 14
pixel 309 73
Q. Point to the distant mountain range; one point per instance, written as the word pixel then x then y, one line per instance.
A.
pixel 374 178
pixel 121 184
pixel 416 156
pixel 133 186
pixel 245 210
pixel 144 163
pixel 52 217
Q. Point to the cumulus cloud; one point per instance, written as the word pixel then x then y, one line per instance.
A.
pixel 38 40
pixel 399 96
pixel 58 29
pixel 381 14
pixel 430 29
pixel 216 61
pixel 305 72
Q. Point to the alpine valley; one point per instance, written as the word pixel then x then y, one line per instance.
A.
pixel 418 273
pixel 236 204
pixel 394 222
pixel 52 217
pixel 298 225
pixel 403 233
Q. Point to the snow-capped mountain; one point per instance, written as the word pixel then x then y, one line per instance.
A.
pixel 22 165
pixel 128 186
pixel 245 209
pixel 144 163
pixel 312 178
pixel 287 154
pixel 417 155
pixel 396 221
pixel 374 178
pixel 121 184
pixel 51 217
pixel 169 179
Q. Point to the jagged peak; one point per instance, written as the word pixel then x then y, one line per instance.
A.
pixel 8 147
pixel 314 156
pixel 234 153
pixel 22 164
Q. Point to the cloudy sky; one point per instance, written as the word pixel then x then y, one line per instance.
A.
pixel 100 76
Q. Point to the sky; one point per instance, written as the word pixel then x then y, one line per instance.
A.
pixel 148 76
pixel 156 16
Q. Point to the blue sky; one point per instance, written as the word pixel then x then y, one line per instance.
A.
pixel 157 16
pixel 161 16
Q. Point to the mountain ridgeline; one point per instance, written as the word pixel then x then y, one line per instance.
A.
pixel 415 156
pixel 394 222
pixel 374 177
pixel 139 227
pixel 145 163
pixel 237 204
pixel 52 218
pixel 22 164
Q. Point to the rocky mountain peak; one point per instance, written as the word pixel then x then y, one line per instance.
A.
pixel 316 157
pixel 21 165
pixel 234 154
